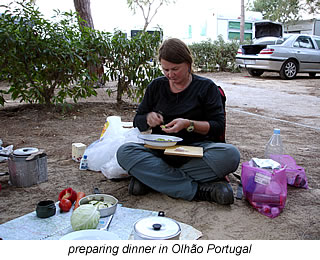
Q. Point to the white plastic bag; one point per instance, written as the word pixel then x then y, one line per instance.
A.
pixel 7 150
pixel 102 150
pixel 112 169
pixel 101 154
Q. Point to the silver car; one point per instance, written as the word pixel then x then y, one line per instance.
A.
pixel 288 55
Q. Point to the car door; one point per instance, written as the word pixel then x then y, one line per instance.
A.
pixel 307 54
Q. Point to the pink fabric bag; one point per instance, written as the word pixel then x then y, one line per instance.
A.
pixel 265 189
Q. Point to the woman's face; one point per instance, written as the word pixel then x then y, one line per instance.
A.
pixel 176 73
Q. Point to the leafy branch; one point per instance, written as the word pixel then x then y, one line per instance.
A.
pixel 146 7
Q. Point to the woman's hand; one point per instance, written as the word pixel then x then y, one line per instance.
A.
pixel 176 125
pixel 154 119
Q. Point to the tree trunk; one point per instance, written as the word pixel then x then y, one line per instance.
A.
pixel 83 9
pixel 242 22
pixel 122 86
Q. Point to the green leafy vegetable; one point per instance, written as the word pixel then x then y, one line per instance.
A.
pixel 162 139
pixel 85 217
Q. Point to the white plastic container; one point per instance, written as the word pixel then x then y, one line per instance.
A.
pixel 274 148
pixel 84 163
pixel 78 151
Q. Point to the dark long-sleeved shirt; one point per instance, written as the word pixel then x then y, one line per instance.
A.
pixel 200 101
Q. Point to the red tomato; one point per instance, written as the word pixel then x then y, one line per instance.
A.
pixel 65 205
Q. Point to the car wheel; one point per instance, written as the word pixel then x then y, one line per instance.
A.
pixel 255 72
pixel 312 75
pixel 289 70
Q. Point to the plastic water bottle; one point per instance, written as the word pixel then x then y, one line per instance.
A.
pixel 84 163
pixel 274 148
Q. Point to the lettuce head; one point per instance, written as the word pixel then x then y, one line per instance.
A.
pixel 85 216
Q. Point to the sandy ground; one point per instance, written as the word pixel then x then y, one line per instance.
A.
pixel 254 107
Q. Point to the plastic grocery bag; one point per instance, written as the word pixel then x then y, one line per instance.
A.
pixel 265 189
pixel 112 169
pixel 101 153
pixel 296 175
pixel 6 151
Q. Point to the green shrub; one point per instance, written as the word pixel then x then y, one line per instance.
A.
pixel 131 62
pixel 45 62
pixel 215 55
pixel 203 54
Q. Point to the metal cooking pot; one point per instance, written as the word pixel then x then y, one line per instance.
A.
pixel 27 166
pixel 157 228
pixel 104 212
pixel 22 153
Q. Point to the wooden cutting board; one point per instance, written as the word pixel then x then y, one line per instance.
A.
pixel 180 150
pixel 184 150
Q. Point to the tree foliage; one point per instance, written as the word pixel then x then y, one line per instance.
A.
pixel 149 8
pixel 278 10
pixel 47 62
pixel 132 63
pixel 42 60
pixel 313 6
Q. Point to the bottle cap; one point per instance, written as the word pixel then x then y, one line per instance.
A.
pixel 276 131
pixel 85 157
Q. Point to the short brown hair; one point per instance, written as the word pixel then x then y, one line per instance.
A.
pixel 175 51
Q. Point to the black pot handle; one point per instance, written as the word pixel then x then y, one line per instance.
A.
pixel 161 214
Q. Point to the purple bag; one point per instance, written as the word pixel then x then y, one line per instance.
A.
pixel 265 189
pixel 296 175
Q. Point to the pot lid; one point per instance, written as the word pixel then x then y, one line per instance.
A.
pixel 25 151
pixel 157 228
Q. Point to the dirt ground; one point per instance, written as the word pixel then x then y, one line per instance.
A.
pixel 254 108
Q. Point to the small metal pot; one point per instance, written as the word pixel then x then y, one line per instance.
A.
pixel 157 228
pixel 27 166
pixel 45 209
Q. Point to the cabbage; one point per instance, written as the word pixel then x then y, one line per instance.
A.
pixel 85 216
